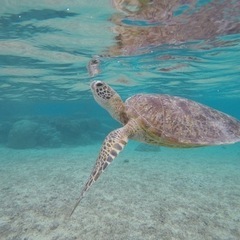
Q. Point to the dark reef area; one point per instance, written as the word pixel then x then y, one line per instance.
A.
pixel 33 132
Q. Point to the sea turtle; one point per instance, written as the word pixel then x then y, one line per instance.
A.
pixel 161 120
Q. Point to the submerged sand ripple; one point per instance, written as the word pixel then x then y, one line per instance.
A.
pixel 171 194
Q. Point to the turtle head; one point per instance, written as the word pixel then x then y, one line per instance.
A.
pixel 109 99
pixel 102 93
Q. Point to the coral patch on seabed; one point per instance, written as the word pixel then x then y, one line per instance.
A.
pixel 50 132
pixel 23 134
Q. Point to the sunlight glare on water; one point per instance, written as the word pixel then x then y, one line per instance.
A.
pixel 46 46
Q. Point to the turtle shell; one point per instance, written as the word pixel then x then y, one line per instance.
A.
pixel 179 122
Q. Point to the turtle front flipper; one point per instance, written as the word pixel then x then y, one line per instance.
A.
pixel 112 145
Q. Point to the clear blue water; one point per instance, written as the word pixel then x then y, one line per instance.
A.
pixel 190 49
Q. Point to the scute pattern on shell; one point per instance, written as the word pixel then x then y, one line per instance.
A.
pixel 179 122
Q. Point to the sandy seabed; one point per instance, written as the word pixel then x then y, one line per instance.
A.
pixel 170 194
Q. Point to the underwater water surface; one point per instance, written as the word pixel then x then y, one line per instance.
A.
pixel 51 129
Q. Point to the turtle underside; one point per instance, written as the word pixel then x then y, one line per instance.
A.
pixel 179 122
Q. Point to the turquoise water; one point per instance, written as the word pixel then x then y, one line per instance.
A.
pixel 51 129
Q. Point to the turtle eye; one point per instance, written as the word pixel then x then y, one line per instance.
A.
pixel 99 84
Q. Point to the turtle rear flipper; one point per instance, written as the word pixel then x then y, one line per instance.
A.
pixel 112 145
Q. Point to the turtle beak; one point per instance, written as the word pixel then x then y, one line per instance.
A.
pixel 92 85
